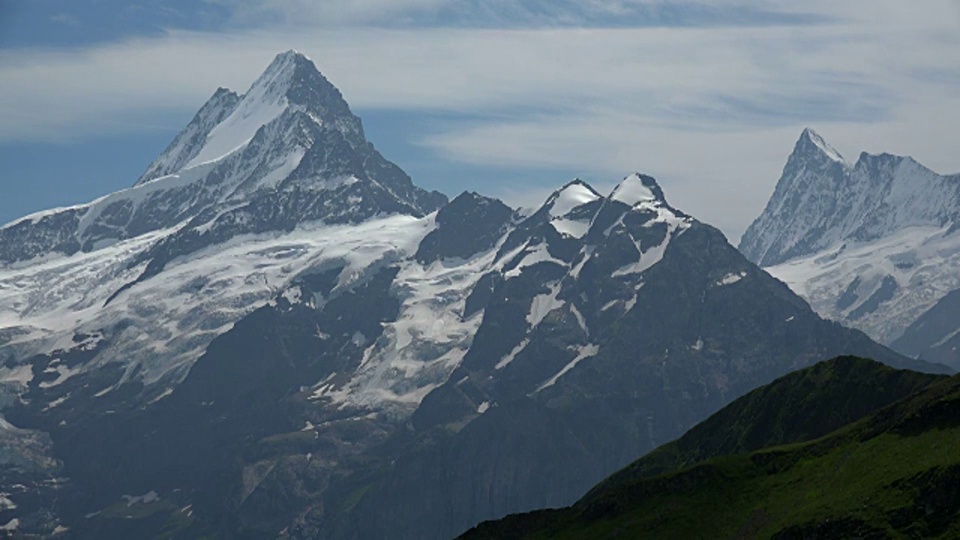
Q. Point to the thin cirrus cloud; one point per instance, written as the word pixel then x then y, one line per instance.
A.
pixel 707 96
pixel 518 14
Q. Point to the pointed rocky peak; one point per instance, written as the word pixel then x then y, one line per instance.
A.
pixel 467 225
pixel 568 210
pixel 636 203
pixel 811 144
pixel 472 202
pixel 822 201
pixel 227 122
pixel 304 88
pixel 295 78
pixel 638 189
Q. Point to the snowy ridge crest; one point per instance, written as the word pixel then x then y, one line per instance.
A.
pixel 228 122
pixel 821 201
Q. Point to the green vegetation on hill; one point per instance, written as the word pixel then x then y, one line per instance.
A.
pixel 801 406
pixel 893 474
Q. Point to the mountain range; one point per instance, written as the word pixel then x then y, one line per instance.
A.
pixel 873 244
pixel 274 332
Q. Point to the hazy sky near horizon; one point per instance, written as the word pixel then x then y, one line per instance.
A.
pixel 511 98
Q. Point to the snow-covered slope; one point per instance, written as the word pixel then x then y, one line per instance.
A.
pixel 873 244
pixel 158 328
pixel 880 286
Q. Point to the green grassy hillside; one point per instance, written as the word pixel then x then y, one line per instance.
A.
pixel 892 474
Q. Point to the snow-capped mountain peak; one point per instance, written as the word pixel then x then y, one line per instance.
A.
pixel 287 151
pixel 820 201
pixel 228 122
pixel 811 143
pixel 638 189
pixel 262 103
pixel 574 194
pixel 871 244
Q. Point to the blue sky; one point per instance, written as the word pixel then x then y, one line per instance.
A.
pixel 507 97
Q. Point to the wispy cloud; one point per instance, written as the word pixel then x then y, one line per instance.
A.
pixel 710 108
pixel 518 13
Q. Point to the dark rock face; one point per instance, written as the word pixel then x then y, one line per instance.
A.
pixel 469 216
pixel 809 181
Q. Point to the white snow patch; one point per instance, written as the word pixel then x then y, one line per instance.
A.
pixel 538 255
pixel 571 227
pixel 946 338
pixel 6 503
pixel 580 320
pixel 583 352
pixel 63 372
pixel 290 162
pixel 632 191
pixel 571 197
pixel 162 395
pixel 731 278
pixel 543 304
pixel 56 403
pixel 11 525
pixel 358 339
pixel 513 354
pixel 584 257
pixel 21 374
pixel 647 259
pixel 146 498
